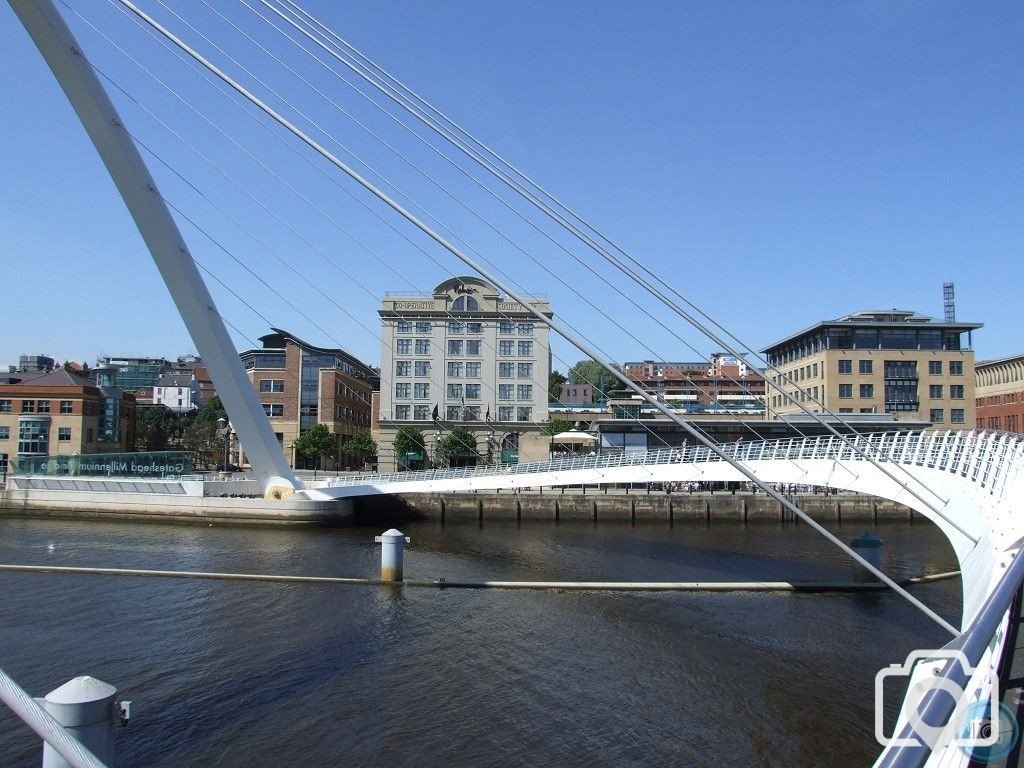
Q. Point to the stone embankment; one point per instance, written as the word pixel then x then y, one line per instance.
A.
pixel 619 506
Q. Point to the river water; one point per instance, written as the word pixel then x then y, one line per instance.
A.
pixel 264 674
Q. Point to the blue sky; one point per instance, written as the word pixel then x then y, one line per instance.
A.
pixel 779 163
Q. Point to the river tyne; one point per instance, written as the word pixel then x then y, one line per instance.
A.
pixel 225 673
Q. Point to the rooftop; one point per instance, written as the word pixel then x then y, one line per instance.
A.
pixel 878 318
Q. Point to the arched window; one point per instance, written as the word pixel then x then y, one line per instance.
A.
pixel 465 304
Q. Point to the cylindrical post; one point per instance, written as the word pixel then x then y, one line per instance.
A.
pixel 392 552
pixel 85 707
pixel 869 547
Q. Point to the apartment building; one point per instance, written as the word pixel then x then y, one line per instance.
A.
pixel 879 361
pixel 724 383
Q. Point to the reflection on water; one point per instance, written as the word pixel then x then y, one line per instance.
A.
pixel 264 674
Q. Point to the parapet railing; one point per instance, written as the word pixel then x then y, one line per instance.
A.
pixel 987 458
pixel 937 707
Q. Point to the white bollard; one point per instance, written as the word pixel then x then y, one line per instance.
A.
pixel 868 546
pixel 391 554
pixel 85 707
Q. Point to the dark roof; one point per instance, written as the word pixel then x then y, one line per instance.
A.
pixel 174 380
pixel 279 338
pixel 58 378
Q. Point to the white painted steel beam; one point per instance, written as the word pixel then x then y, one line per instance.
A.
pixel 91 103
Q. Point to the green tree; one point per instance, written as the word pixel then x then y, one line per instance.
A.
pixel 153 428
pixel 408 440
pixel 555 426
pixel 316 442
pixel 555 381
pixel 458 448
pixel 203 439
pixel 211 411
pixel 593 373
pixel 360 445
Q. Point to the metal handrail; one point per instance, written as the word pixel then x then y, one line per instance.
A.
pixel 982 456
pixel 973 643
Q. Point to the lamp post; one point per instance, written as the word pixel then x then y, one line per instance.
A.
pixel 225 425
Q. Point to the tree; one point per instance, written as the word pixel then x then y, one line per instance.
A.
pixel 408 440
pixel 201 437
pixel 593 373
pixel 153 428
pixel 458 448
pixel 317 441
pixel 555 426
pixel 361 446
pixel 555 381
pixel 211 411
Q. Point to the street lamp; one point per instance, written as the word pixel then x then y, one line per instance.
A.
pixel 225 425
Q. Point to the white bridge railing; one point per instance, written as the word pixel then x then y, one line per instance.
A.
pixel 988 459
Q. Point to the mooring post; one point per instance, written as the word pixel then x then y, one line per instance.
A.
pixel 868 546
pixel 392 552
pixel 86 708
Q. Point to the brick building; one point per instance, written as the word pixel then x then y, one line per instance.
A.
pixel 999 393
pixel 723 383
pixel 301 385
pixel 60 414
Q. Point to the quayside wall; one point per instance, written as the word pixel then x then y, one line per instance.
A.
pixel 637 506
pixel 229 502
pixel 221 502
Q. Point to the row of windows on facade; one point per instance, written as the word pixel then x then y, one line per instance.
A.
pixel 341 413
pixel 461 413
pixel 900 368
pixel 419 391
pixel 456 369
pixel 459 347
pixel 893 393
pixel 342 390
pixel 935 415
pixel 44 406
pixel 866 338
pixel 1008 423
pixel 271 361
pixel 34 437
pixel 1008 399
pixel 506 328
